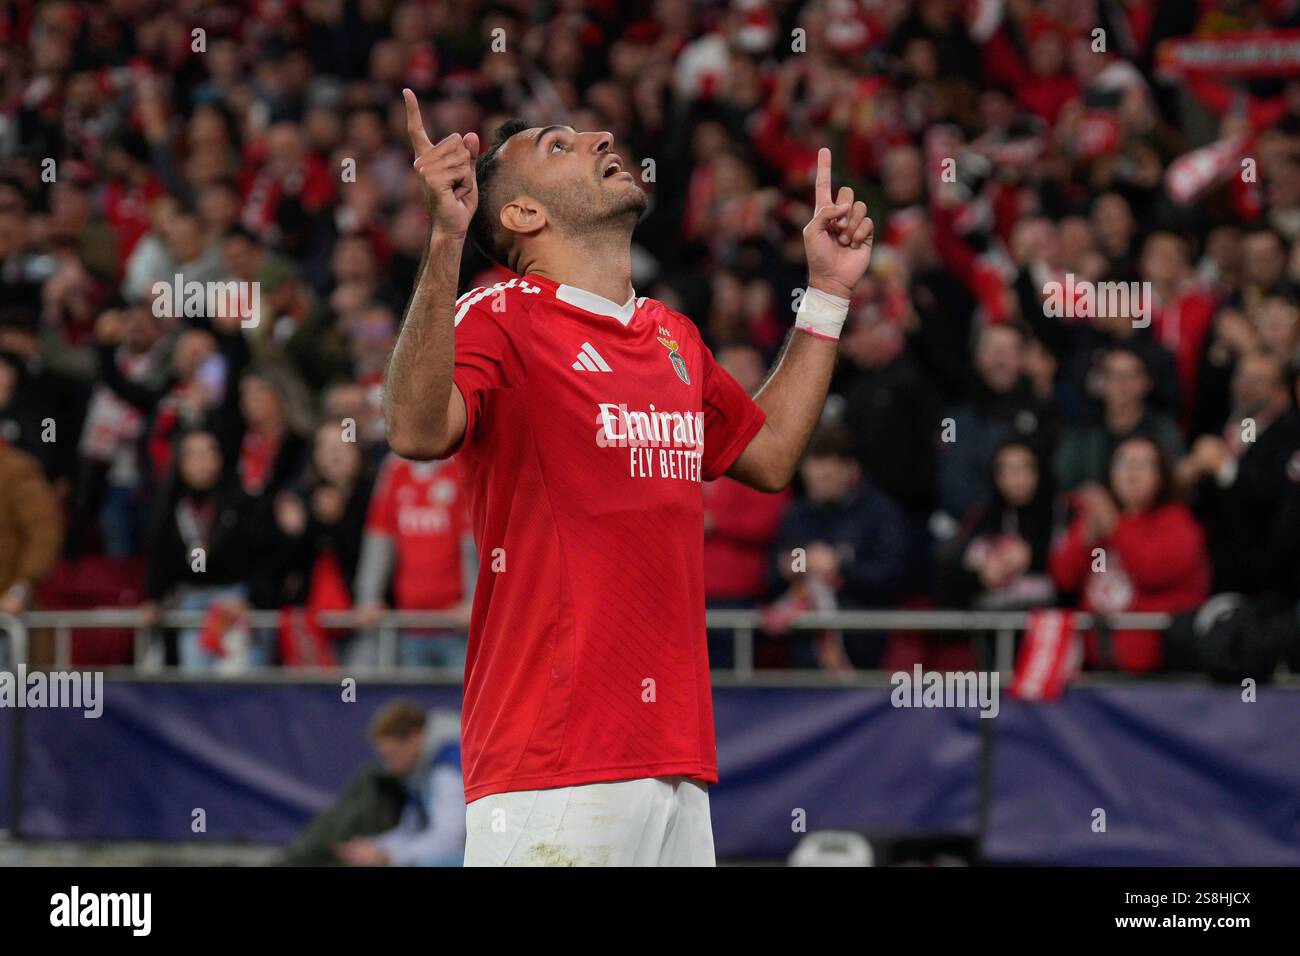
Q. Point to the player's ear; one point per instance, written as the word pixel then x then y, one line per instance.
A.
pixel 523 215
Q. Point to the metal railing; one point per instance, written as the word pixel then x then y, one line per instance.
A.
pixel 744 624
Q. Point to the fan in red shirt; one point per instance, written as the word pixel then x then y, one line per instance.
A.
pixel 1132 548
pixel 1182 311
pixel 417 537
pixel 585 419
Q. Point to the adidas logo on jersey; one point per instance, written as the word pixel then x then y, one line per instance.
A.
pixel 589 360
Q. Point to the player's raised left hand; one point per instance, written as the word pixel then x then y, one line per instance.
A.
pixel 838 240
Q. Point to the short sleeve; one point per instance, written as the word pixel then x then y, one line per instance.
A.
pixel 731 418
pixel 382 516
pixel 487 357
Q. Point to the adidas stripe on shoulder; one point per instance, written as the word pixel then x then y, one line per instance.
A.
pixel 475 296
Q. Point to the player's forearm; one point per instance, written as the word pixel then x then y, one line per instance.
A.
pixel 792 399
pixel 418 383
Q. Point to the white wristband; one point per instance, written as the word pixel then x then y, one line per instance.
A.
pixel 821 314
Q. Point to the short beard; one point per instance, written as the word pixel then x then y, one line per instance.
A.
pixel 617 214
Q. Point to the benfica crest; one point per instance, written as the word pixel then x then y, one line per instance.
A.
pixel 674 356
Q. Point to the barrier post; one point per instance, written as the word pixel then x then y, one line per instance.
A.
pixel 743 650
pixel 1004 653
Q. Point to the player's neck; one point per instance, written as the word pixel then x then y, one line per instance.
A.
pixel 599 265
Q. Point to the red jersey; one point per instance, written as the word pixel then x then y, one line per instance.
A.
pixel 590 427
pixel 421 507
pixel 738 554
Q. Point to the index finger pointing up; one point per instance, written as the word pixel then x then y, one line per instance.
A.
pixel 415 124
pixel 823 191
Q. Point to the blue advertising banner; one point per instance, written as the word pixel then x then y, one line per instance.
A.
pixel 844 757
pixel 1182 775
pixel 257 760
pixel 6 766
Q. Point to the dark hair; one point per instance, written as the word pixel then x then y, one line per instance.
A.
pixel 1034 520
pixel 1015 326
pixel 1126 348
pixel 485 229
pixel 240 231
pixel 1165 488
pixel 1266 230
pixel 831 441
pixel 1280 364
pixel 369 109
pixel 1045 488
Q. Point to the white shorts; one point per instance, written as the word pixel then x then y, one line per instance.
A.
pixel 654 821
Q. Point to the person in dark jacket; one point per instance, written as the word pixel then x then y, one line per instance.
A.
pixel 1240 479
pixel 891 409
pixel 321 522
pixel 842 545
pixel 203 533
pixel 999 557
pixel 1005 404
pixel 1125 410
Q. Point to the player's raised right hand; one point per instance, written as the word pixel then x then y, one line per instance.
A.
pixel 446 173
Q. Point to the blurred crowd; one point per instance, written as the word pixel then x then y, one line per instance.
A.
pixel 984 447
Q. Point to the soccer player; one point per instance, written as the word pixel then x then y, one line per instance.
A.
pixel 585 418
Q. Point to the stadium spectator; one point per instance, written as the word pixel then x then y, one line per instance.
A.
pixel 418 545
pixel 321 522
pixel 889 405
pixel 1240 476
pixel 1181 312
pixel 1004 404
pixel 268 454
pixel 41 409
pixel 1131 547
pixel 842 546
pixel 998 560
pixel 1085 452
pixel 1264 261
pixel 132 352
pixel 202 537
pixel 31 529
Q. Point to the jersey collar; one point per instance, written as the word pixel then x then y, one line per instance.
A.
pixel 595 304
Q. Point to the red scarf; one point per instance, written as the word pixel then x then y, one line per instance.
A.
pixel 1050 656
